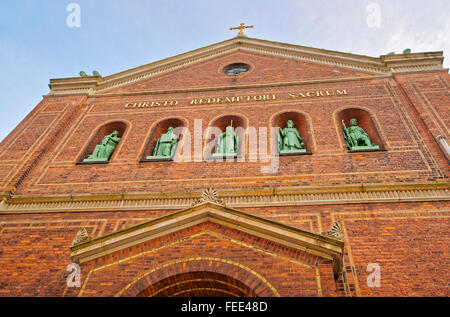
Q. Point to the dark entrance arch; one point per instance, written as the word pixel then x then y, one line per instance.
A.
pixel 198 284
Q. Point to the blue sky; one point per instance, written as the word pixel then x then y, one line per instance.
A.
pixel 36 44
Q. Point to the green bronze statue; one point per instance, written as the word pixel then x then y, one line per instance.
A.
pixel 165 147
pixel 356 138
pixel 289 140
pixel 105 149
pixel 228 143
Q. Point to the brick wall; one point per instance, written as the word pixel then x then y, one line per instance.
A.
pixel 407 240
pixel 412 154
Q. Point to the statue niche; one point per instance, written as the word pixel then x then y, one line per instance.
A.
pixel 227 144
pixel 165 146
pixel 356 138
pixel 289 140
pixel 105 149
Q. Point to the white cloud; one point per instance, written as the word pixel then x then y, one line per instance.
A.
pixel 425 40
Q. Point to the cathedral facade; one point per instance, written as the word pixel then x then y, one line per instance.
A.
pixel 244 168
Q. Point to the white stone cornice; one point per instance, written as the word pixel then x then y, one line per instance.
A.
pixel 74 85
pixel 233 198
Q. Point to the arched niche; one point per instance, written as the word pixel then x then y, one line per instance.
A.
pixel 364 120
pixel 221 123
pixel 160 128
pixel 101 132
pixel 300 122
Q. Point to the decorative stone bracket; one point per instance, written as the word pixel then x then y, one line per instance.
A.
pixel 81 237
pixel 209 195
pixel 335 231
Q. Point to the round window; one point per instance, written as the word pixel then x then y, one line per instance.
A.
pixel 236 69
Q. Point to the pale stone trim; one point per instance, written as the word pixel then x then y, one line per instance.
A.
pixel 416 69
pixel 444 143
pixel 413 62
pixel 247 86
pixel 283 196
pixel 320 245
pixel 261 46
pixel 73 85
pixel 322 59
pixel 386 64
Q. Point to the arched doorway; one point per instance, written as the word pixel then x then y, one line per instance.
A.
pixel 198 284
pixel 221 277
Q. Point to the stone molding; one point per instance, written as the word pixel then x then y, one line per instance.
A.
pixel 74 85
pixel 414 62
pixel 257 197
pixel 384 65
pixel 244 86
pixel 324 246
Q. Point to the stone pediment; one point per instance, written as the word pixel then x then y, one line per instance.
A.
pixel 327 64
pixel 323 245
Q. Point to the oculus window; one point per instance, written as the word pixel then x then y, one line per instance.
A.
pixel 236 69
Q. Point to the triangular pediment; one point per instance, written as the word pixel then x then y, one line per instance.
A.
pixel 202 68
pixel 318 244
pixel 264 69
pixel 269 61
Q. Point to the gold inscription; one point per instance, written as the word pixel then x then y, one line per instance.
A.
pixel 151 104
pixel 318 93
pixel 237 99
pixel 203 101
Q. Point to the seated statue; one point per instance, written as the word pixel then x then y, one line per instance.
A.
pixel 356 138
pixel 105 149
pixel 289 140
pixel 228 143
pixel 165 147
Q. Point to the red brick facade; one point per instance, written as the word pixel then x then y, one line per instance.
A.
pixel 403 113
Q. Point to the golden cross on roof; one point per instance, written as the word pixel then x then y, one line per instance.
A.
pixel 242 28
